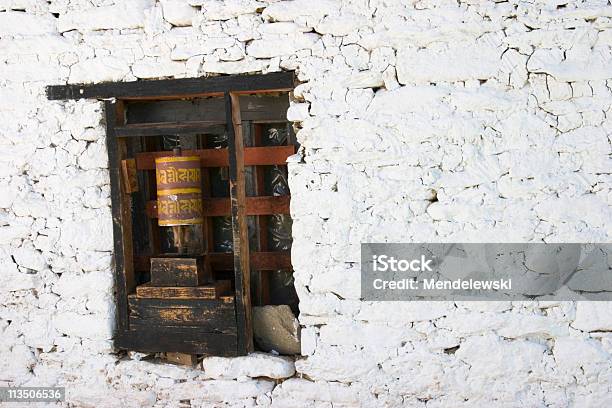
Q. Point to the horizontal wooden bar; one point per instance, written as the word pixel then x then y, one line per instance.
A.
pixel 217 207
pixel 175 88
pixel 208 158
pixel 253 156
pixel 176 339
pixel 210 315
pixel 267 261
pixel 265 156
pixel 167 128
pixel 212 291
pixel 261 108
pixel 225 261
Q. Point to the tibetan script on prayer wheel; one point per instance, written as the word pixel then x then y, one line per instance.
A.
pixel 179 192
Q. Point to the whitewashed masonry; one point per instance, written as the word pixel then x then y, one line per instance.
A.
pixel 420 120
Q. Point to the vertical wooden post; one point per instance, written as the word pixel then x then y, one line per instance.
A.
pixel 151 144
pixel 125 280
pixel 262 221
pixel 242 271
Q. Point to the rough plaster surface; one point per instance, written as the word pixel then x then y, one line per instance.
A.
pixel 421 120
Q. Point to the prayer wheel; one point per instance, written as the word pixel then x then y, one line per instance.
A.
pixel 179 202
pixel 179 190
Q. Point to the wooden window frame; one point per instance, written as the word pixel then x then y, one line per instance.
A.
pixel 230 88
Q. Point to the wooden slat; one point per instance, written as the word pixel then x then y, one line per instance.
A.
pixel 209 315
pixel 212 291
pixel 166 128
pixel 220 260
pixel 175 88
pixel 129 175
pixel 181 358
pixel 208 158
pixel 152 144
pixel 218 207
pixel 269 155
pixel 125 280
pixel 264 108
pixel 242 272
pixel 263 278
pixel 253 156
pixel 268 261
pixel 207 228
pixel 176 339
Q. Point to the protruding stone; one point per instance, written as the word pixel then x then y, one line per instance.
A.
pixel 123 14
pixel 254 365
pixel 276 328
pixel 29 258
pixel 593 316
pixel 100 69
pixel 14 23
pixel 178 12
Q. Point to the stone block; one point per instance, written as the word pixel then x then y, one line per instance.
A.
pixel 276 328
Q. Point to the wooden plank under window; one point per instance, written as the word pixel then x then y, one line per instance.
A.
pixel 210 315
pixel 192 340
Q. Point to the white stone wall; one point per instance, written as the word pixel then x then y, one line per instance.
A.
pixel 421 120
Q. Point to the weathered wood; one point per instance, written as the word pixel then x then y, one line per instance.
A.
pixel 224 261
pixel 260 156
pixel 125 280
pixel 265 108
pixel 175 88
pixel 167 128
pixel 208 231
pixel 217 207
pixel 181 358
pixel 212 291
pixel 179 271
pixel 208 314
pixel 176 339
pixel 267 261
pixel 266 156
pixel 150 191
pixel 129 175
pixel 263 289
pixel 242 272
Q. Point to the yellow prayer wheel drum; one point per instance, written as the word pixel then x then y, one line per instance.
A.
pixel 179 190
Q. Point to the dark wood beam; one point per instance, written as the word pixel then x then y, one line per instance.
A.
pixel 176 88
pixel 167 128
pixel 192 340
pixel 125 280
pixel 242 271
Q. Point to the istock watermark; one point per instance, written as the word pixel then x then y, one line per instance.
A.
pixel 458 271
pixel 384 263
